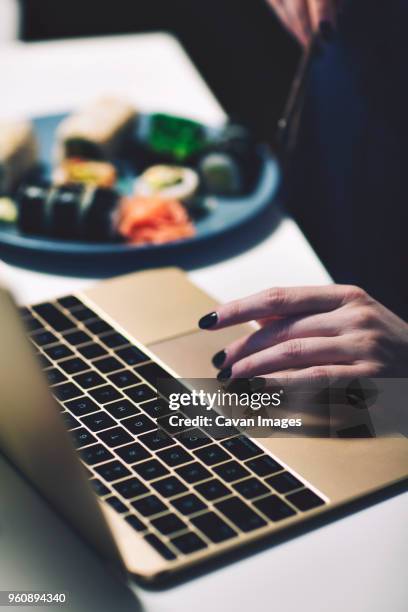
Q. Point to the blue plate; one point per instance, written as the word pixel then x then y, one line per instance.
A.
pixel 228 213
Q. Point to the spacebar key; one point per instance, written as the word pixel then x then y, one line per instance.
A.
pixel 54 317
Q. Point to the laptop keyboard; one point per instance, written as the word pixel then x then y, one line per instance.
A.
pixel 182 490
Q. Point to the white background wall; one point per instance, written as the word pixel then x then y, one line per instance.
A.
pixel 8 20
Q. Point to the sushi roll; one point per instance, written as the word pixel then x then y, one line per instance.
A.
pixel 96 132
pixel 8 211
pixel 18 153
pixel 31 201
pixel 97 214
pixel 74 170
pixel 220 174
pixel 168 182
pixel 71 212
pixel 174 136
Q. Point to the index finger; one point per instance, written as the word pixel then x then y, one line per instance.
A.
pixel 275 302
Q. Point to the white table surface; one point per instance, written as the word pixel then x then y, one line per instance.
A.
pixel 358 563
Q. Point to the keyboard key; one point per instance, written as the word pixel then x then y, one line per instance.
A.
pixel 194 438
pixel 66 391
pixel 193 472
pixel 155 440
pixel 130 488
pixel 54 317
pixel 33 324
pixel 115 437
pixel 98 326
pixel 133 453
pixel 305 500
pixel 161 548
pixel 77 337
pixel 188 504
pixel 125 378
pixel 135 522
pixel 284 482
pixel 149 506
pixel 82 437
pixel 44 361
pixel 274 508
pixel 81 406
pixel 73 366
pixel 156 376
pixel 172 429
pixel 241 447
pixel 149 470
pixel 99 487
pixel 95 454
pixel 168 487
pixel 98 421
pixel 251 488
pixel 114 470
pixel 116 504
pixel 263 466
pixel 139 424
pixel 212 526
pixel 114 340
pixel 106 394
pixel 83 314
pixel 188 543
pixel 213 489
pixel 70 421
pixel 175 456
pixel 92 351
pixel 44 338
pixel 168 523
pixel 131 355
pixel 69 301
pixel 140 393
pixel 122 409
pixel 241 515
pixel 231 471
pixel 59 351
pixel 90 379
pixel 108 364
pixel 212 454
pixel 55 376
pixel 156 408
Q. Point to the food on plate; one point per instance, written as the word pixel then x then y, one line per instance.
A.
pixel 237 142
pixel 169 182
pixel 96 132
pixel 76 211
pixel 76 170
pixel 8 210
pixel 18 153
pixel 174 136
pixel 155 220
pixel 220 174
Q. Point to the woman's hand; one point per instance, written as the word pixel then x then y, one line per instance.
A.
pixel 303 17
pixel 312 334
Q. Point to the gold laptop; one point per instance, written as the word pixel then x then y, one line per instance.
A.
pixel 150 501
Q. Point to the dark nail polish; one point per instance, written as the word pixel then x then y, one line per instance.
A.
pixel 326 30
pixel 208 320
pixel 219 359
pixel 224 375
pixel 258 383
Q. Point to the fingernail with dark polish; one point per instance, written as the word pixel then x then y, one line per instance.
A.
pixel 224 375
pixel 326 30
pixel 208 320
pixel 258 383
pixel 219 359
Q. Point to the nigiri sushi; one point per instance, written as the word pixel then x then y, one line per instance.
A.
pixel 18 153
pixel 96 132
